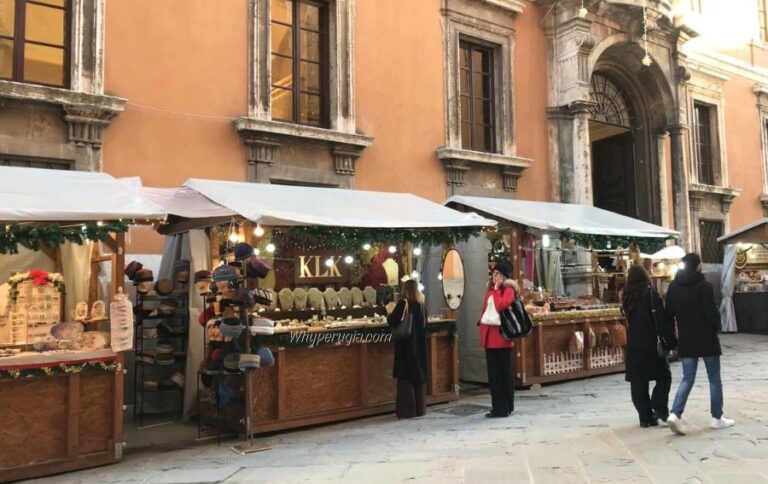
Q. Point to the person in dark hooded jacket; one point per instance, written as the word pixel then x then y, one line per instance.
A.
pixel 691 302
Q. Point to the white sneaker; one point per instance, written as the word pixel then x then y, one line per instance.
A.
pixel 722 423
pixel 675 424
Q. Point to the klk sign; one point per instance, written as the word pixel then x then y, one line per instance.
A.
pixel 320 268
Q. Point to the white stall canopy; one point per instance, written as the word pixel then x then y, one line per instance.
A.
pixel 40 195
pixel 284 205
pixel 562 217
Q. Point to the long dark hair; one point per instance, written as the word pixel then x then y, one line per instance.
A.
pixel 411 291
pixel 638 284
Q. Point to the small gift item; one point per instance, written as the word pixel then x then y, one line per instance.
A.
pixel 299 299
pixel 369 294
pixel 576 343
pixel 164 287
pixel 203 282
pixel 181 269
pixel 98 311
pixel 345 297
pixel 603 337
pixel 67 330
pixel 331 298
pixel 315 298
pixel 357 297
pixel 94 340
pixel 618 335
pixel 81 311
pixel 286 299
pixel 132 268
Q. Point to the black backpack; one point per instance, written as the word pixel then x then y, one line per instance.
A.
pixel 515 321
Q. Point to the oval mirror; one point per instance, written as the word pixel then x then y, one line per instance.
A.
pixel 453 279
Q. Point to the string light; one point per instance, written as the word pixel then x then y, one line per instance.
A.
pixel 233 237
pixel 647 58
pixel 545 240
pixel 366 246
pixel 392 249
pixel 329 262
pixel 421 287
pixel 414 275
pixel 100 223
pixel 256 251
pixel 417 251
pixel 270 247
pixel 258 231
pixel 349 259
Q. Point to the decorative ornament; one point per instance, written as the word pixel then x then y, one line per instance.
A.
pixel 33 236
pixel 647 245
pixel 583 10
pixel 40 278
pixel 647 58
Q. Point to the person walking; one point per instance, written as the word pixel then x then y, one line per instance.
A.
pixel 691 302
pixel 410 367
pixel 646 324
pixel 498 351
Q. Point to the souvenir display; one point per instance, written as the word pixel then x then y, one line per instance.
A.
pixel 299 298
pixel 315 298
pixel 98 310
pixel 286 299
pixel 81 311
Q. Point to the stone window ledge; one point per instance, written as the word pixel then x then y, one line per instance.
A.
pixel 764 203
pixel 696 192
pixel 263 139
pixel 512 6
pixel 86 114
pixel 458 161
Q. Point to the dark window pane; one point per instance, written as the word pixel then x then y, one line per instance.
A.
pixel 465 109
pixel 282 104
pixel 44 24
pixel 477 60
pixel 282 71
pixel 7 19
pixel 466 136
pixel 488 137
pixel 704 143
pixel 487 113
pixel 6 58
pixel 479 143
pixel 486 65
pixel 44 64
pixel 310 46
pixel 310 16
pixel 309 109
pixel 282 11
pixel 711 250
pixel 464 56
pixel 282 39
pixel 481 111
pixel 310 77
pixel 481 85
pixel 464 81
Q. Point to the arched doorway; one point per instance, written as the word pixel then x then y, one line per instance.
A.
pixel 611 125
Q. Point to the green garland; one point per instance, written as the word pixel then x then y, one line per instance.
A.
pixel 34 236
pixel 606 242
pixel 59 370
pixel 346 237
pixel 284 339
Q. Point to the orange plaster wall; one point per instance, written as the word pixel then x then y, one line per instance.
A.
pixel 744 150
pixel 399 84
pixel 191 61
pixel 531 103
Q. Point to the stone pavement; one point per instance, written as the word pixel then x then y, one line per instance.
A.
pixel 582 431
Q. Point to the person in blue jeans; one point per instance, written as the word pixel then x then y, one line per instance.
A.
pixel 691 302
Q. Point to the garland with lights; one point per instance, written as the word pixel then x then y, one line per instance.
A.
pixel 14 374
pixel 647 245
pixel 316 237
pixel 34 236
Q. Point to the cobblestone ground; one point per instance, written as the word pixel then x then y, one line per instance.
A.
pixel 582 431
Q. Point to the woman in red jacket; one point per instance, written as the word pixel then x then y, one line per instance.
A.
pixel 498 350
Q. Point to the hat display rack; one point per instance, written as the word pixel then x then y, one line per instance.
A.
pixel 162 335
pixel 228 344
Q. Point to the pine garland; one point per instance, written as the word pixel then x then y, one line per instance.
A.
pixel 34 236
pixel 647 245
pixel 59 370
pixel 315 237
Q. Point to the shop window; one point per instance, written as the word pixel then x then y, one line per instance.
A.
pixel 476 93
pixel 299 32
pixel 33 41
pixel 711 250
pixel 706 141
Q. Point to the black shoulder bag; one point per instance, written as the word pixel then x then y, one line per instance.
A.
pixel 404 329
pixel 515 321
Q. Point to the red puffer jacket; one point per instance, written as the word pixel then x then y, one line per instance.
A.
pixel 490 336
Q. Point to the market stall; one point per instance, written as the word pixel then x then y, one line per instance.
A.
pixel 61 375
pixel 571 262
pixel 323 265
pixel 745 278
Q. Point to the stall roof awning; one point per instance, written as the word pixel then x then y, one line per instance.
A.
pixel 561 217
pixel 297 205
pixel 754 233
pixel 185 202
pixel 32 194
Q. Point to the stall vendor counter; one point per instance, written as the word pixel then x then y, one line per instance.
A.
pixel 349 377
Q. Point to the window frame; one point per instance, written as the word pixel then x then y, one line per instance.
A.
pixel 762 19
pixel 19 42
pixel 707 167
pixel 296 59
pixel 491 97
pixel 718 248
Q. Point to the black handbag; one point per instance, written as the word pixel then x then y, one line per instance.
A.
pixel 515 321
pixel 662 349
pixel 404 330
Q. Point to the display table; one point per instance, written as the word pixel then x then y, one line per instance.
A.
pixel 334 382
pixel 66 420
pixel 751 311
pixel 543 356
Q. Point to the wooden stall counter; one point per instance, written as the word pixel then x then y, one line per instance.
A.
pixel 59 417
pixel 347 379
pixel 544 355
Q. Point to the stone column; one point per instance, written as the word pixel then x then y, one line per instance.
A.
pixel 682 212
pixel 663 178
pixel 582 154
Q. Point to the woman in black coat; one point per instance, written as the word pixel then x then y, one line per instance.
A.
pixel 646 320
pixel 410 367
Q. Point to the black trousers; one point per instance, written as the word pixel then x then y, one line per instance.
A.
pixel 411 400
pixel 501 373
pixel 658 401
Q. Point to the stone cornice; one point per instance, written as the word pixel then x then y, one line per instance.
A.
pixel 457 162
pixel 512 6
pixel 277 130
pixel 727 195
pixel 54 95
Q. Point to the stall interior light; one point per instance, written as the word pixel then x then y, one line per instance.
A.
pixel 270 247
pixel 545 240
pixel 392 249
pixel 421 287
pixel 417 251
pixel 415 275
pixel 439 276
pixel 233 237
pixel 256 251
pixel 100 223
pixel 84 228
pixel 608 245
pixel 366 246
pixel 349 259
pixel 329 262
pixel 258 231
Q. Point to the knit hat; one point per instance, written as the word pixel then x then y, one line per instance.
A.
pixel 248 361
pixel 244 295
pixel 132 268
pixel 143 275
pixel 243 251
pixel 202 276
pixel 266 356
pixel 224 273
pixel 232 362
pixel 504 267
pixel 257 267
pixel 181 269
pixel 231 327
pixel 164 287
